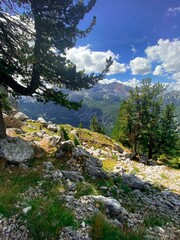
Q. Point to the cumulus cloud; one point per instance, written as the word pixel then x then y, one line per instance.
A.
pixel 140 66
pixel 108 81
pixel 173 11
pixel 158 70
pixel 94 61
pixel 167 54
pixel 132 82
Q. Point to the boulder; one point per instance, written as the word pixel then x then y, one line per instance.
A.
pixel 15 150
pixel 134 182
pixel 73 176
pixel 42 121
pixel 52 127
pixel 66 147
pixel 93 168
pixel 117 148
pixel 21 116
pixel 112 204
pixel 12 122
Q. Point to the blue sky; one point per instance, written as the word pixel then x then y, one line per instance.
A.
pixel 143 37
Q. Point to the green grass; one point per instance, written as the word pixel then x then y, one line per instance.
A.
pixel 103 230
pixel 152 220
pixel 109 164
pixel 84 189
pixel 11 187
pixel 47 217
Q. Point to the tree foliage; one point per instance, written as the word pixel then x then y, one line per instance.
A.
pixel 145 123
pixel 96 126
pixel 33 38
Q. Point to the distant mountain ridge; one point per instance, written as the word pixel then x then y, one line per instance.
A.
pixel 103 100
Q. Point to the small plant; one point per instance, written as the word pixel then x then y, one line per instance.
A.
pixel 11 188
pixel 109 164
pixel 84 189
pixel 103 230
pixel 47 217
pixel 154 220
pixel 76 142
pixel 164 176
pixel 65 134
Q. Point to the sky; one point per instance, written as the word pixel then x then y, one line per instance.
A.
pixel 142 37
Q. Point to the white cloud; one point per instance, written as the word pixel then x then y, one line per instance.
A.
pixel 176 76
pixel 140 66
pixel 94 61
pixel 158 70
pixel 132 82
pixel 173 11
pixel 167 55
pixel 108 81
pixel 133 49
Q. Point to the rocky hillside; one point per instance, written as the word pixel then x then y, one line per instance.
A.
pixel 61 182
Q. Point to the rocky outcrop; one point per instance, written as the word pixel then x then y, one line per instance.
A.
pixel 15 150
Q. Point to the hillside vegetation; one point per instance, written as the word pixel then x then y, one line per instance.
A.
pixel 82 185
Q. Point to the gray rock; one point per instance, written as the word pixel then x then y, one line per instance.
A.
pixel 73 176
pixel 42 121
pixel 27 209
pixel 112 204
pixel 48 165
pixel 52 127
pixel 134 182
pixel 66 147
pixel 21 116
pixel 57 175
pixel 15 150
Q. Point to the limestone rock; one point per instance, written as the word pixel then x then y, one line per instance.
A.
pixel 66 147
pixel 15 150
pixel 12 122
pixel 134 182
pixel 21 116
pixel 42 121
pixel 52 127
pixel 73 176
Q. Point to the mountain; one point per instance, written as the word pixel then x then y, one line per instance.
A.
pixel 103 100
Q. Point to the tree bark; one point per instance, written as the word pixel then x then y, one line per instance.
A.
pixel 2 124
pixel 150 147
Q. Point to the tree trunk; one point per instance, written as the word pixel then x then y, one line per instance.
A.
pixel 150 147
pixel 2 124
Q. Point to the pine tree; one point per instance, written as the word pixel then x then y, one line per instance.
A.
pixel 145 123
pixel 33 44
pixel 95 126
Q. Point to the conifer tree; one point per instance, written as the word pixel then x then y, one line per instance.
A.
pixel 32 49
pixel 145 122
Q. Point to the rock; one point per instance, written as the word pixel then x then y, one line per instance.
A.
pixel 15 150
pixel 66 147
pixel 112 204
pixel 73 176
pixel 57 175
pixel 27 209
pixel 42 121
pixel 48 165
pixel 21 116
pixel 118 148
pixel 52 127
pixel 134 182
pixel 12 122
pixel 93 167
